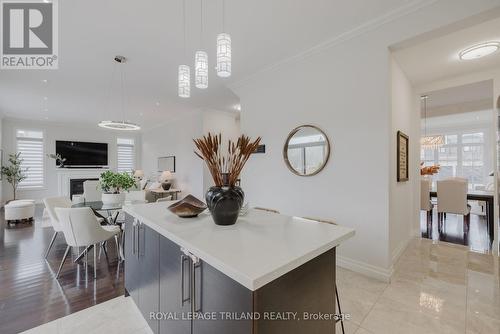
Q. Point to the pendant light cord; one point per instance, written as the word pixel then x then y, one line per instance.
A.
pixel 223 15
pixel 201 23
pixel 122 92
pixel 184 24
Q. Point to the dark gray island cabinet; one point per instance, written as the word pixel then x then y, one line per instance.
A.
pixel 180 292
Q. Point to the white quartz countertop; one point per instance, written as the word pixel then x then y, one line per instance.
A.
pixel 259 248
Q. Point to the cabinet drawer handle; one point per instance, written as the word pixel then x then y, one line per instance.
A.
pixel 133 239
pixel 142 243
pixel 196 266
pixel 184 258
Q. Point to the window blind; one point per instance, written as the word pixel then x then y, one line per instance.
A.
pixel 30 147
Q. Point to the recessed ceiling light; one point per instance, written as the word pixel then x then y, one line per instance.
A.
pixel 44 81
pixel 479 50
pixel 141 114
pixel 45 98
pixel 157 104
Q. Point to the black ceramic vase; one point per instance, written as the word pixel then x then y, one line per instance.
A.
pixel 224 204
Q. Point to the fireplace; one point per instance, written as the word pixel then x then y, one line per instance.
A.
pixel 76 186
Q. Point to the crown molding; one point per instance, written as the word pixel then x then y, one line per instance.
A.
pixel 343 37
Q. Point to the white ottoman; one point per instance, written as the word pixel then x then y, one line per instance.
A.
pixel 19 210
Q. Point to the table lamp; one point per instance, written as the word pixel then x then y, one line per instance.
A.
pixel 165 178
pixel 139 174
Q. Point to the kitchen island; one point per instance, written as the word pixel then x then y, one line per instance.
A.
pixel 268 273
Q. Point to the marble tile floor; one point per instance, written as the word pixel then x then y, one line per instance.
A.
pixel 437 287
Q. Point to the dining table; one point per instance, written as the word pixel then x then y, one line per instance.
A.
pixel 485 196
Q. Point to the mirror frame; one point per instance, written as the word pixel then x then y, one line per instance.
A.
pixel 285 149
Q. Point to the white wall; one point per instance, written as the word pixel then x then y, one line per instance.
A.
pixel 176 138
pixel 344 88
pixel 219 122
pixel 404 196
pixel 53 132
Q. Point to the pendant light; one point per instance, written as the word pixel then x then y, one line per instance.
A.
pixel 429 142
pixel 223 48
pixel 184 75
pixel 201 59
pixel 123 124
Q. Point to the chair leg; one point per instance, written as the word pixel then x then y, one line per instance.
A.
pixel 340 310
pixel 466 223
pixel 62 261
pixel 118 251
pixel 50 244
pixel 95 262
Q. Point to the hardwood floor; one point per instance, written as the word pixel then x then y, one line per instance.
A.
pixel 29 293
pixel 477 239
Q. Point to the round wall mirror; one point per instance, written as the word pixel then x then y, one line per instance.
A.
pixel 306 150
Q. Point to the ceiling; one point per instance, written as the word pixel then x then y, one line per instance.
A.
pixel 437 58
pixel 149 34
pixel 477 91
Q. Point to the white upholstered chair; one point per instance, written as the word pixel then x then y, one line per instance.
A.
pixel 425 198
pixel 57 202
pixel 91 191
pixel 50 204
pixel 135 196
pixel 452 198
pixel 81 229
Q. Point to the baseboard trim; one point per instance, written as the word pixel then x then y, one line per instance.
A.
pixel 399 251
pixel 379 273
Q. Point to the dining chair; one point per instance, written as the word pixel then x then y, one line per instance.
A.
pixel 50 204
pixel 81 229
pixel 136 196
pixel 266 209
pixel 452 198
pixel 91 191
pixel 425 198
pixel 332 222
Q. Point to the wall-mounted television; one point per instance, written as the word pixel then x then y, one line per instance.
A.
pixel 83 154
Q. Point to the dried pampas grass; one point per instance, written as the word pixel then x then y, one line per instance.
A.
pixel 221 161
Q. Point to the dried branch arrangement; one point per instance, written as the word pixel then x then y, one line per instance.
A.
pixel 222 160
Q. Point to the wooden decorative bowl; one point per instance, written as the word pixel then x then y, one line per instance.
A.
pixel 188 207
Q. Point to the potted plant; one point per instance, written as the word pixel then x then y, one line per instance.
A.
pixel 224 200
pixel 14 173
pixel 114 185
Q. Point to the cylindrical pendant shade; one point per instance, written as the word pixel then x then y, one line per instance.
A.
pixel 184 81
pixel 201 69
pixel 223 55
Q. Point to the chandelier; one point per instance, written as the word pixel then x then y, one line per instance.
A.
pixel 429 142
pixel 201 67
pixel 123 125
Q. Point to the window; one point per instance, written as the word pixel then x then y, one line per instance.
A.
pixel 126 155
pixel 463 155
pixel 30 146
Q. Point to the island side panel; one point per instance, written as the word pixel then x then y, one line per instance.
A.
pixel 309 288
